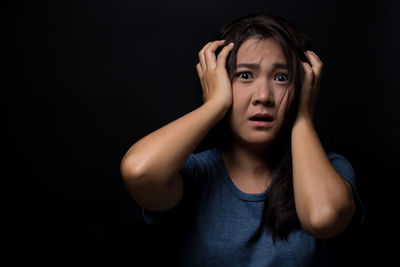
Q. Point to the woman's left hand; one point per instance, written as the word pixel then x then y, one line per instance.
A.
pixel 310 88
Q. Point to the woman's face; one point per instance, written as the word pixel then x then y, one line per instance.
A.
pixel 259 87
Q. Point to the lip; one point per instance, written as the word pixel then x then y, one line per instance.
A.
pixel 265 120
pixel 264 124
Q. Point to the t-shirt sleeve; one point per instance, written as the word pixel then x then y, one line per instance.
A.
pixel 190 173
pixel 346 171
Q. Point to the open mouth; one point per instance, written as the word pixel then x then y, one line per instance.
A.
pixel 261 117
pixel 261 120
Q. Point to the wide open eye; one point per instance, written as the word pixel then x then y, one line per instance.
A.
pixel 281 77
pixel 245 75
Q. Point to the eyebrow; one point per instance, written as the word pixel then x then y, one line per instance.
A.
pixel 256 66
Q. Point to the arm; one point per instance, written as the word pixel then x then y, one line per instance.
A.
pixel 323 199
pixel 150 168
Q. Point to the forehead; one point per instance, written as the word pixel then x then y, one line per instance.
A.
pixel 255 50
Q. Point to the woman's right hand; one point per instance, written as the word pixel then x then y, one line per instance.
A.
pixel 213 75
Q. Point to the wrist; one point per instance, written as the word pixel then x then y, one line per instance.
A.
pixel 220 104
pixel 218 108
pixel 303 120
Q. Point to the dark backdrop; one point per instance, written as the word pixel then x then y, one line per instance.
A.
pixel 86 79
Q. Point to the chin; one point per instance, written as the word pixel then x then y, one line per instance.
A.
pixel 259 140
pixel 262 142
pixel 251 137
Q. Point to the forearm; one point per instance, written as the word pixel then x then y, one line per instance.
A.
pixel 159 155
pixel 151 166
pixel 323 199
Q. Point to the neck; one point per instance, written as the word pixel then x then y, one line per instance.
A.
pixel 250 162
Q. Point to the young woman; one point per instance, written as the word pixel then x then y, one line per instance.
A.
pixel 267 194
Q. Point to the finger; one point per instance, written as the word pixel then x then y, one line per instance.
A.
pixel 317 67
pixel 308 72
pixel 315 62
pixel 221 61
pixel 209 53
pixel 199 70
pixel 201 57
pixel 314 54
pixel 200 74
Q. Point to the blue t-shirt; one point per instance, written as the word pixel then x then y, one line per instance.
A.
pixel 222 226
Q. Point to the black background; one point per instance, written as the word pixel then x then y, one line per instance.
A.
pixel 86 79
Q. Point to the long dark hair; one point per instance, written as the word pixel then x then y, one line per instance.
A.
pixel 279 214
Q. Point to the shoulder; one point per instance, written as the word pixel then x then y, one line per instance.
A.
pixel 334 155
pixel 203 158
pixel 346 171
pixel 202 164
pixel 342 166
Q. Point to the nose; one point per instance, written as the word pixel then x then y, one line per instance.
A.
pixel 263 93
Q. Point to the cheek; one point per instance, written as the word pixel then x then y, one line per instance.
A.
pixel 235 91
pixel 283 100
pixel 239 106
pixel 240 94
